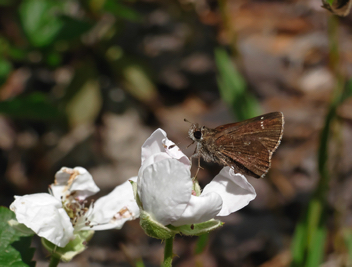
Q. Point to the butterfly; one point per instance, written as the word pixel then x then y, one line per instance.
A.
pixel 245 146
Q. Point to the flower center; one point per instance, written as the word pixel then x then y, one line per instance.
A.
pixel 79 213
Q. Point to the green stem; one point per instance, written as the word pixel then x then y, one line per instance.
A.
pixel 311 232
pixel 54 261
pixel 168 255
pixel 202 243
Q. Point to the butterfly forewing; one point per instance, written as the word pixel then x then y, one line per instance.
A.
pixel 247 146
pixel 252 159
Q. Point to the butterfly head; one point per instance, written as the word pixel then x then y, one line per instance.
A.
pixel 196 132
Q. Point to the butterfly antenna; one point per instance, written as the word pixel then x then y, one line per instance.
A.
pixel 187 121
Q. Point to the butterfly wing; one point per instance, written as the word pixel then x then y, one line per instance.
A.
pixel 247 146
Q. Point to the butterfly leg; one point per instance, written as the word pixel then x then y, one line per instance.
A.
pixel 190 144
pixel 199 167
pixel 193 155
pixel 231 166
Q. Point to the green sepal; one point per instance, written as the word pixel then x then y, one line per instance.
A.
pixel 153 228
pixel 198 228
pixel 150 226
pixel 196 188
pixel 74 247
pixel 20 227
pixel 135 194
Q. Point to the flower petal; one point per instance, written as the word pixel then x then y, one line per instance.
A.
pixel 151 160
pixel 175 152
pixel 114 209
pixel 44 214
pixel 165 189
pixel 159 143
pixel 200 209
pixel 234 189
pixel 153 144
pixel 76 182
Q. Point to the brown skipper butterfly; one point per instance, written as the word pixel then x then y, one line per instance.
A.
pixel 245 146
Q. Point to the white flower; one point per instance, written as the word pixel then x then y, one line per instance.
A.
pixel 167 192
pixel 60 215
pixel 74 183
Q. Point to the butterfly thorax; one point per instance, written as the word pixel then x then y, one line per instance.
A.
pixel 204 137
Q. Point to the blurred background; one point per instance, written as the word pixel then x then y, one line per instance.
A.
pixel 84 83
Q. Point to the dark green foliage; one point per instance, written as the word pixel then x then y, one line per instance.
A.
pixel 34 107
pixel 15 250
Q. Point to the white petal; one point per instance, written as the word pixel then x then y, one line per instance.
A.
pixel 151 160
pixel 84 184
pixel 165 189
pixel 200 209
pixel 58 191
pixel 44 214
pixel 153 144
pixel 159 143
pixel 114 209
pixel 114 224
pixel 175 152
pixel 234 189
pixel 77 180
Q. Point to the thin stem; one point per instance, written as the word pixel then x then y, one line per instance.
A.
pixel 311 232
pixel 54 261
pixel 168 255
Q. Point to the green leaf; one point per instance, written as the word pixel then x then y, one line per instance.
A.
pixel 17 53
pixel 310 235
pixel 20 227
pixel 233 88
pixel 121 11
pixel 72 28
pixel 5 69
pixel 54 59
pixel 15 247
pixel 34 106
pixel 299 243
pixel 44 23
pixel 139 263
pixel 39 21
pixel 316 250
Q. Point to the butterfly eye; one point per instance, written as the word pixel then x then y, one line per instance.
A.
pixel 197 134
